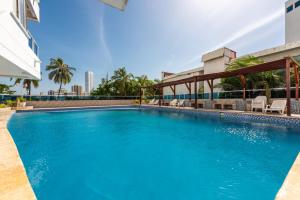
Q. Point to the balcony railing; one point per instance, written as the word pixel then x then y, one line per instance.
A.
pixel 33 45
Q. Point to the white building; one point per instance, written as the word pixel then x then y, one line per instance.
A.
pixel 18 49
pixel 89 81
pixel 292 21
pixel 218 60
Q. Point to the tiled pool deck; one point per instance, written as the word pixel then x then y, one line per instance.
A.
pixel 14 183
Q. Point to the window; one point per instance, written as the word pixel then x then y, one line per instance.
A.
pixel 19 10
pixel 297 4
pixel 290 8
pixel 22 12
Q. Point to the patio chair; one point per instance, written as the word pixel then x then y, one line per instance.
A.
pixel 181 103
pixel 174 102
pixel 156 102
pixel 277 105
pixel 259 102
pixel 151 102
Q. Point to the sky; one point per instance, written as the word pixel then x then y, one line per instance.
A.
pixel 150 36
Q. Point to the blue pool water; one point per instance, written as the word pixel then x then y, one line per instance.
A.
pixel 151 155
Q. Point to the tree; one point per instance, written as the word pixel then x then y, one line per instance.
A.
pixel 5 89
pixel 60 72
pixel 104 89
pixel 254 81
pixel 124 84
pixel 121 81
pixel 262 80
pixel 143 81
pixel 27 84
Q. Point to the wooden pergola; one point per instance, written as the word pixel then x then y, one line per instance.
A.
pixel 286 64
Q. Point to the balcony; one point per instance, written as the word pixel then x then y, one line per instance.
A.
pixel 33 45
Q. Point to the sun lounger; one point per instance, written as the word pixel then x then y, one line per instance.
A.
pixel 154 102
pixel 181 103
pixel 277 105
pixel 174 102
pixel 259 102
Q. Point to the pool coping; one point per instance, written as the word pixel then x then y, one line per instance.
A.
pixel 290 190
pixel 291 187
pixel 14 183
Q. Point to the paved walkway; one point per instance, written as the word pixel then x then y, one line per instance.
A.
pixel 14 184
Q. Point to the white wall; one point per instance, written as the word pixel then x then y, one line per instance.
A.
pixel 214 66
pixel 16 57
pixel 182 89
pixel 216 61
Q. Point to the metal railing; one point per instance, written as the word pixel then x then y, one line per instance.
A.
pixel 4 98
pixel 237 94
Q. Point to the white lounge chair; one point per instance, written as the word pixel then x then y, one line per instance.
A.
pixel 277 105
pixel 174 102
pixel 154 102
pixel 259 102
pixel 181 103
pixel 151 102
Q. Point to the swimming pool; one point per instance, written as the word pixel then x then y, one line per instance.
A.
pixel 148 154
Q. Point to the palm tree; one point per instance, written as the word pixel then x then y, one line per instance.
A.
pixel 234 83
pixel 244 62
pixel 27 84
pixel 60 72
pixel 262 80
pixel 122 80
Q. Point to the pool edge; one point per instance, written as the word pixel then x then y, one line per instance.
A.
pixel 290 190
pixel 14 182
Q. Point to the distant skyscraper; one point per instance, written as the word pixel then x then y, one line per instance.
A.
pixel 89 81
pixel 77 90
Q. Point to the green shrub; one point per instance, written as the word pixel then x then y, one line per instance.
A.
pixel 21 99
pixel 2 105
pixel 11 103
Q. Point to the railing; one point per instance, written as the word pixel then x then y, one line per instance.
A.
pixel 237 94
pixel 32 44
pixel 4 98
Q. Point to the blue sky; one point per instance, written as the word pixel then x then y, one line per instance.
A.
pixel 151 36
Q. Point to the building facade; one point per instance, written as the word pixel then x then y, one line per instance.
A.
pixel 292 21
pixel 77 90
pixel 89 81
pixel 18 49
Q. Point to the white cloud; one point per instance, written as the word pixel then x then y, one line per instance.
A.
pixel 104 44
pixel 240 34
